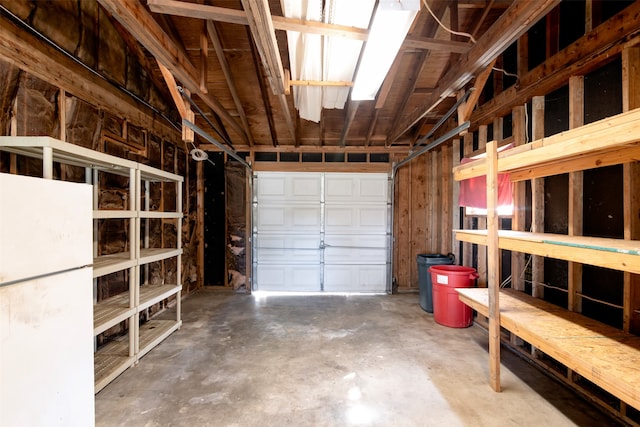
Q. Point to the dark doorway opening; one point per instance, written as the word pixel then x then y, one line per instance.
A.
pixel 214 221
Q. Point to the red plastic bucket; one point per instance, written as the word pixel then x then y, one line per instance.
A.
pixel 448 310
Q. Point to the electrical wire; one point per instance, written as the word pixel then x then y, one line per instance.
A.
pixel 444 27
pixel 505 72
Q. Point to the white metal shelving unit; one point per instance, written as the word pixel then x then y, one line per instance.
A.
pixel 112 359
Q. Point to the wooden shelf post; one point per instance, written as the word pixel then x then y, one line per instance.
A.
pixel 493 255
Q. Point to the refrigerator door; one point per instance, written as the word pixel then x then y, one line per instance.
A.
pixel 46 351
pixel 45 227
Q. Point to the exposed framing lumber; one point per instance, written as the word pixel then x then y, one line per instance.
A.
pixel 234 16
pixel 631 183
pixel 579 58
pixel 28 53
pixel 226 70
pixel 576 119
pixel 173 90
pixel 465 109
pixel 482 220
pixel 537 198
pixel 204 58
pixel 493 252
pixel 135 19
pixel 519 201
pixel 351 110
pixel 516 20
pixel 429 43
pixel 264 37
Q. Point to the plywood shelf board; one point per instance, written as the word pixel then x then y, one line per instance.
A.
pixel 155 331
pixel 617 254
pixel 603 354
pixel 152 294
pixel 601 136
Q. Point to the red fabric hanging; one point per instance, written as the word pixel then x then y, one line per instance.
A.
pixel 473 191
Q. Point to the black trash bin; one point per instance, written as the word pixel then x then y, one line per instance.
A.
pixel 424 277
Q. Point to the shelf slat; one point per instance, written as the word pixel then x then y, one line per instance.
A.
pixel 616 254
pixel 152 294
pixel 114 214
pixel 154 332
pixel 107 264
pixel 148 255
pixel 156 214
pixel 110 312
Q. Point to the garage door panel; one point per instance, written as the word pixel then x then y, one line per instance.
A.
pixel 351 249
pixel 356 219
pixel 296 212
pixel 356 188
pixel 355 278
pixel 295 278
pixel 288 218
pixel 295 249
pixel 291 187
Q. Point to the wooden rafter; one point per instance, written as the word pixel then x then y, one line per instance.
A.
pixel 264 37
pixel 135 18
pixel 226 70
pixel 351 110
pixel 516 20
pixel 173 90
pixel 421 59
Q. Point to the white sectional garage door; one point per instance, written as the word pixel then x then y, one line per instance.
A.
pixel 318 232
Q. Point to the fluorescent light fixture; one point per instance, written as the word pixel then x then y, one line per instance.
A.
pixel 391 22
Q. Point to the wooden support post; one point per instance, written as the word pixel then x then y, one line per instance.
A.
pixel 204 57
pixel 537 198
pixel 200 222
pixel 455 195
pixel 494 274
pixel 576 119
pixel 519 202
pixel 467 248
pixel 62 113
pixel 631 180
pixel 482 220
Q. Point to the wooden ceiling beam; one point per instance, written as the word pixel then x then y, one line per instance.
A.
pixel 402 149
pixel 135 19
pixel 264 37
pixel 351 110
pixel 429 43
pixel 584 55
pixel 234 16
pixel 231 83
pixel 516 20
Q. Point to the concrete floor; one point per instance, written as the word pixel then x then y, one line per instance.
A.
pixel 329 361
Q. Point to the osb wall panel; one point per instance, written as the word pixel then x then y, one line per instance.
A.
pixel 422 213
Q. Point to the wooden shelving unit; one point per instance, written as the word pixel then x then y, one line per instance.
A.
pixel 114 357
pixel 606 142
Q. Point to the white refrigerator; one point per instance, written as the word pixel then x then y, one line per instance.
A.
pixel 46 303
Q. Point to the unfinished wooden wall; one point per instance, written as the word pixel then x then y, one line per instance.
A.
pixel 119 113
pixel 424 210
